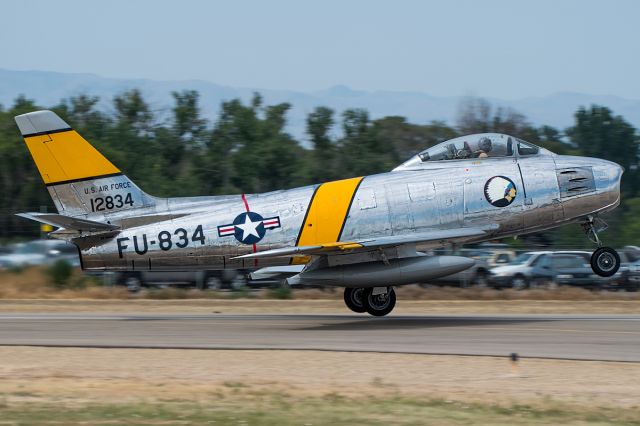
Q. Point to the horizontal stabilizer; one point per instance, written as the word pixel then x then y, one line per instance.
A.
pixel 436 236
pixel 66 222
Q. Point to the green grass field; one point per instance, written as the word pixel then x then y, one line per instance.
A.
pixel 275 409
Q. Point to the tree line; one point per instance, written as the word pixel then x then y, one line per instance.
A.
pixel 246 148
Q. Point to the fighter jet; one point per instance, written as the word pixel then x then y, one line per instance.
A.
pixel 366 234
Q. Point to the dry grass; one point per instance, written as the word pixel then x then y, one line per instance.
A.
pixel 35 283
pixel 561 293
pixel 416 292
pixel 85 376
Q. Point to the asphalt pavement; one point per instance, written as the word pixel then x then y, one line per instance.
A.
pixel 610 338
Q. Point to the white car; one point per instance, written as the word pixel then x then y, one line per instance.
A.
pixel 565 267
pixel 40 252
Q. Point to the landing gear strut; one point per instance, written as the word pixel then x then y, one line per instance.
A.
pixel 605 261
pixel 377 301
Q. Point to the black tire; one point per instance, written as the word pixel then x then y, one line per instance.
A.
pixel 133 282
pixel 480 279
pixel 239 282
pixel 212 282
pixel 519 282
pixel 605 261
pixel 353 298
pixel 632 287
pixel 381 304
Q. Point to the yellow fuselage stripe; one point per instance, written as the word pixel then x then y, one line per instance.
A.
pixel 67 156
pixel 328 212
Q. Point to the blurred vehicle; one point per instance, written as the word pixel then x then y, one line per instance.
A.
pixel 213 280
pixel 40 252
pixel 500 257
pixel 532 269
pixel 571 269
pixel 632 253
pixel 477 275
pixel 624 279
pixel 497 254
pixel 628 277
pixel 633 278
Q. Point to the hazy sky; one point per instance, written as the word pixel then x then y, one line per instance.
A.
pixel 507 49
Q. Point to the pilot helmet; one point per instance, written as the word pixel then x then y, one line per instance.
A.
pixel 485 144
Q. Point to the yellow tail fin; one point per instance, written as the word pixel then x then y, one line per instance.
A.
pixel 80 180
pixel 60 153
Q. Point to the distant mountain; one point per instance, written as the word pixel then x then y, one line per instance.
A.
pixel 48 88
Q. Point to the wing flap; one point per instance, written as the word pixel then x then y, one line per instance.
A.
pixel 435 236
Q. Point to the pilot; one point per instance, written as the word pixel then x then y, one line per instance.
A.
pixel 484 147
pixel 465 152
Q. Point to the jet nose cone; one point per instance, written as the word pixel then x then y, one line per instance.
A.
pixel 615 169
pixel 608 176
pixel 610 169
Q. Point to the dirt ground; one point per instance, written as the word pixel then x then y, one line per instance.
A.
pixel 321 306
pixel 85 376
pixel 36 382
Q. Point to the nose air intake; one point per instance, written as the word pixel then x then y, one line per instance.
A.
pixel 574 181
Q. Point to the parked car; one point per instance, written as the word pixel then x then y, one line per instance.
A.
pixel 572 269
pixel 214 280
pixel 496 254
pixel 629 281
pixel 533 269
pixel 477 275
pixel 40 252
pixel 500 257
pixel 625 279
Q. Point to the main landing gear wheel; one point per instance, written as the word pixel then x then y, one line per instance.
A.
pixel 605 261
pixel 379 303
pixel 353 299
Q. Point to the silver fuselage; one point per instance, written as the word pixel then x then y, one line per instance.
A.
pixel 415 197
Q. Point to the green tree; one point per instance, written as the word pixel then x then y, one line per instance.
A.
pixel 406 139
pixel 133 111
pixel 599 133
pixel 319 124
pixel 21 186
pixel 477 115
pixel 362 152
pixel 187 121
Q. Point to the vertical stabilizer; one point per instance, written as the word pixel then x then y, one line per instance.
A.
pixel 80 179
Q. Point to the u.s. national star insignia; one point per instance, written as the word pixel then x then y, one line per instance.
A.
pixel 249 227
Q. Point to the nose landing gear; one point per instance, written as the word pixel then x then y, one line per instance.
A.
pixel 605 261
pixel 377 301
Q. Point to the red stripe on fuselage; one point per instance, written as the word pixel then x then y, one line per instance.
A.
pixel 246 206
pixel 244 200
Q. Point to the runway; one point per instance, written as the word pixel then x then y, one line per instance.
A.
pixel 607 338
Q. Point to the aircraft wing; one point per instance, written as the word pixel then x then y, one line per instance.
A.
pixel 435 236
pixel 66 222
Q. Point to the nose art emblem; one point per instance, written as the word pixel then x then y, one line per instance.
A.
pixel 500 191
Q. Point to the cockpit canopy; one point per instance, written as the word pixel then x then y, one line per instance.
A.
pixel 487 145
pixel 484 145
